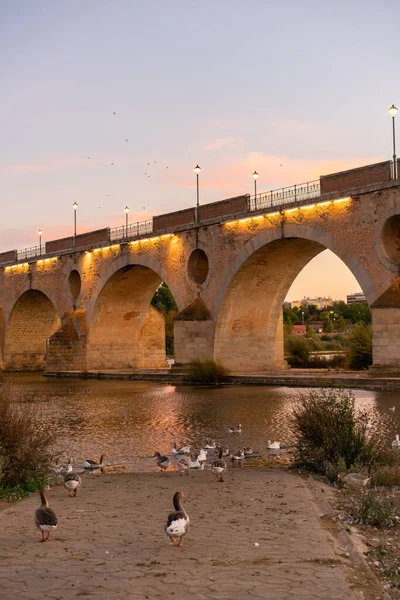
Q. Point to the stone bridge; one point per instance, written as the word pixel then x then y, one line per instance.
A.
pixel 83 303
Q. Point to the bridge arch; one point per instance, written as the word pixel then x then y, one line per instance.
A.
pixel 32 320
pixel 248 307
pixel 124 331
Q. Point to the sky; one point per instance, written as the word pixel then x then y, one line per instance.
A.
pixel 110 103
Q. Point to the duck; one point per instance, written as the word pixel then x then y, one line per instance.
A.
pixel 353 480
pixel 392 409
pixel 273 445
pixel 71 482
pixel 237 429
pixel 247 450
pixel 45 517
pixel 183 465
pixel 210 444
pixel 92 464
pixel 238 456
pixel 218 467
pixel 181 450
pixel 177 524
pixel 202 458
pixel 162 461
pixel 396 442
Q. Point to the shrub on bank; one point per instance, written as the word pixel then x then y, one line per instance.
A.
pixel 206 371
pixel 329 437
pixel 25 445
pixel 367 508
pixel 360 347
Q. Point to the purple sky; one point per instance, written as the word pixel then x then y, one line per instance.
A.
pixel 233 86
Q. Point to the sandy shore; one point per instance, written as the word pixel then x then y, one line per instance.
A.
pixel 110 542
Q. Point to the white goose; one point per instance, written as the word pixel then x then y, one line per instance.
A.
pixel 396 442
pixel 273 445
pixel 247 451
pixel 202 458
pixel 194 461
pixel 177 524
pixel 45 517
pixel 392 409
pixel 238 456
pixel 353 480
pixel 181 450
pixel 210 444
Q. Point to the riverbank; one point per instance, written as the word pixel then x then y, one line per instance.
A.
pixel 291 378
pixel 261 534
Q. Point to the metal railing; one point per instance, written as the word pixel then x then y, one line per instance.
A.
pixel 134 230
pixel 278 198
pixel 29 253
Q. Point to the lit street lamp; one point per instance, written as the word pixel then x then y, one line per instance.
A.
pixel 393 111
pixel 255 177
pixel 197 171
pixel 75 206
pixel 126 210
pixel 40 241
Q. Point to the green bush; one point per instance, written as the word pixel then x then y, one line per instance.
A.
pixel 388 477
pixel 360 353
pixel 25 444
pixel 297 349
pixel 329 436
pixel 368 509
pixel 206 371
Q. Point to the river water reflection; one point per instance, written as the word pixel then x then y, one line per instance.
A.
pixel 129 420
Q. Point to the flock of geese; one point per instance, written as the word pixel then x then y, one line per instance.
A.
pixel 177 523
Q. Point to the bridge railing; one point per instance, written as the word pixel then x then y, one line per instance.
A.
pixel 133 230
pixel 32 252
pixel 287 195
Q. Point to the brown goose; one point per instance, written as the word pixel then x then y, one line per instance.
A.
pixel 45 517
pixel 92 464
pixel 183 465
pixel 162 461
pixel 218 467
pixel 177 524
pixel 71 482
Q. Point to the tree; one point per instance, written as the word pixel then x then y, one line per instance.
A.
pixel 341 325
pixel 164 302
pixel 361 347
pixel 328 325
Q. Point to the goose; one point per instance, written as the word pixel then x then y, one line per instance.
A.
pixel 273 445
pixel 66 468
pixel 92 464
pixel 45 517
pixel 194 461
pixel 218 467
pixel 353 480
pixel 181 450
pixel 396 442
pixel 368 424
pixel 238 456
pixel 247 450
pixel 225 451
pixel 202 458
pixel 392 409
pixel 237 429
pixel 177 524
pixel 210 444
pixel 71 482
pixel 162 461
pixel 183 465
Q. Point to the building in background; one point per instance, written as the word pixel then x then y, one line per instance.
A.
pixel 299 330
pixel 320 302
pixel 357 297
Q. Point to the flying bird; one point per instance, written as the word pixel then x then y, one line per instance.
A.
pixel 126 139
pixel 88 157
pixel 112 163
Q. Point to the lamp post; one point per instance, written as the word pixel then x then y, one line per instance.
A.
pixel 126 210
pixel 393 111
pixel 197 171
pixel 75 206
pixel 255 177
pixel 40 241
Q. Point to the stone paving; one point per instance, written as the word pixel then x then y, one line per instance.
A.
pixel 110 542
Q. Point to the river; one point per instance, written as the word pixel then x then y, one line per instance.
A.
pixel 130 420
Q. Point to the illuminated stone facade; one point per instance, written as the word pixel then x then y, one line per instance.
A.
pixel 235 285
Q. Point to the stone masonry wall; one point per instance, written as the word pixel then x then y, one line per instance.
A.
pixel 193 339
pixel 152 343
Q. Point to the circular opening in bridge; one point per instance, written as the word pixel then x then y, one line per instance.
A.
pixel 198 266
pixel 390 239
pixel 74 284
